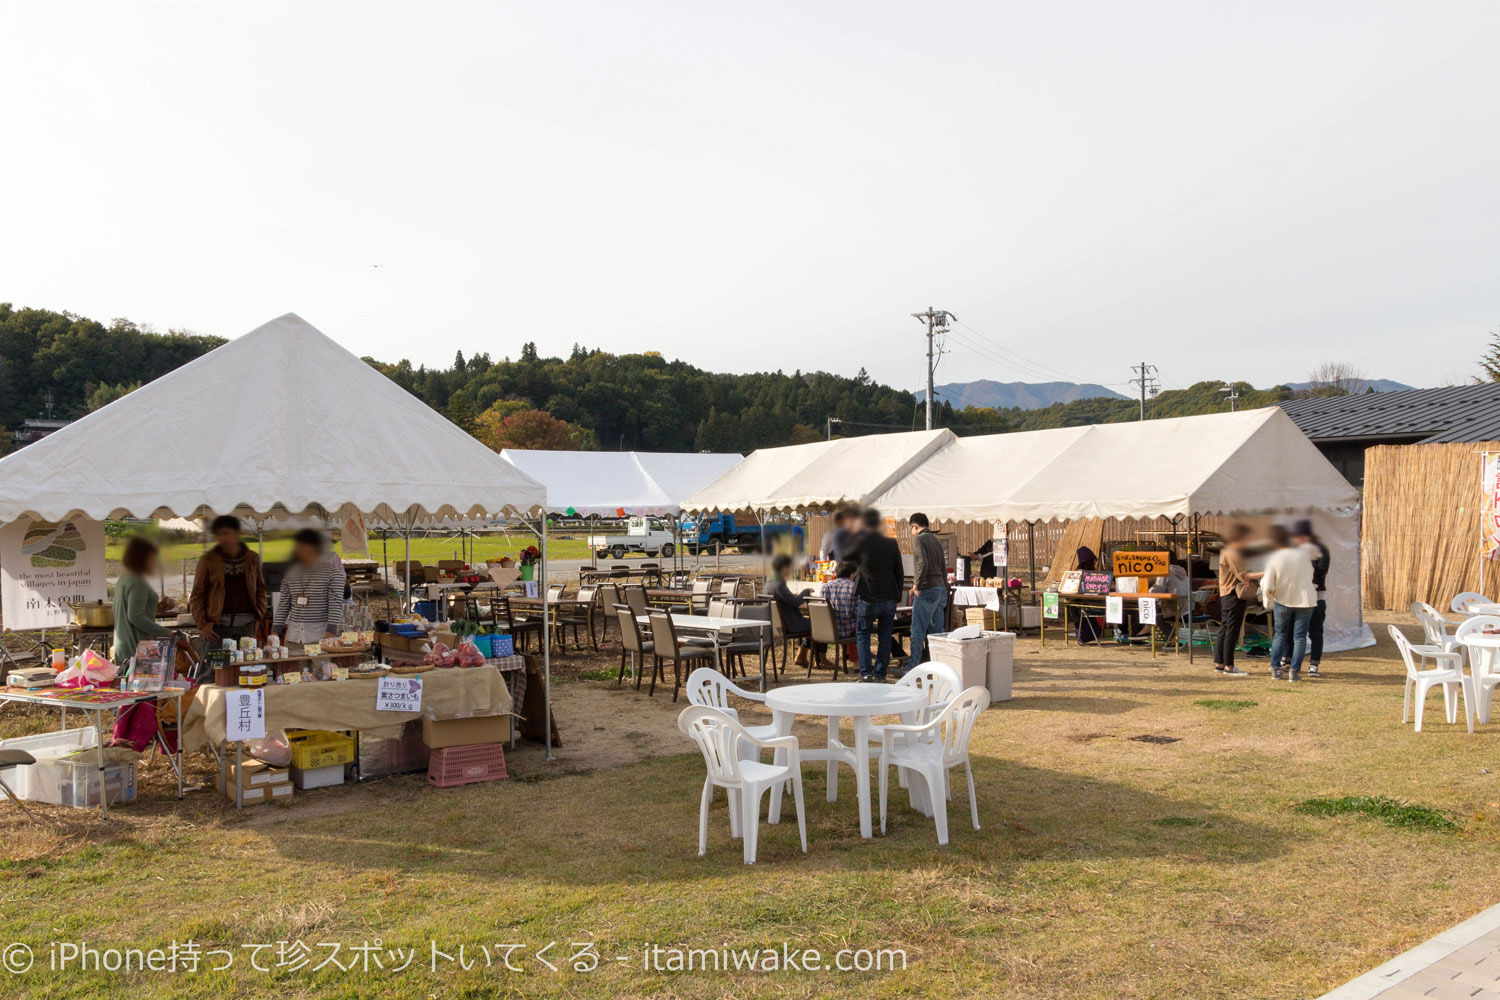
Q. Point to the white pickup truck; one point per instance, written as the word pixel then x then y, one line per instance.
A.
pixel 648 535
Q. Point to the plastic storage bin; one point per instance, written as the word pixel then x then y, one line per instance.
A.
pixel 314 748
pixel 999 664
pixel 970 657
pixel 44 747
pixel 77 783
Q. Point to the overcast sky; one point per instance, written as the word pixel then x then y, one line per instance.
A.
pixel 1225 190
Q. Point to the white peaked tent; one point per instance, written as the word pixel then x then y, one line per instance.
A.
pixel 1254 462
pixel 823 473
pixel 280 420
pixel 603 482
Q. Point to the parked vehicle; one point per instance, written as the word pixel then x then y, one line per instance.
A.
pixel 648 535
pixel 722 531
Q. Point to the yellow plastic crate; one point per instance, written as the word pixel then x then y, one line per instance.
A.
pixel 313 748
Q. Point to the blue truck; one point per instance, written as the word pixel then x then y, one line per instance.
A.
pixel 721 532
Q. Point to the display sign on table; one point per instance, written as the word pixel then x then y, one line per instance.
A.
pixel 398 694
pixel 1146 564
pixel 1049 605
pixel 1002 546
pixel 1071 582
pixel 244 714
pixel 1094 582
pixel 1114 610
pixel 45 566
pixel 1148 610
pixel 533 588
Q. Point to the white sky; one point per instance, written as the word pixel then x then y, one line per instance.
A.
pixel 1226 190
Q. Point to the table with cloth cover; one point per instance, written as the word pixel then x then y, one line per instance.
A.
pixel 835 701
pixel 447 693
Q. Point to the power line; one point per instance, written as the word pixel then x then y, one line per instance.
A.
pixel 1038 365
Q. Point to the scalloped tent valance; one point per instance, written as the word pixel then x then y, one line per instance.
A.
pixel 280 420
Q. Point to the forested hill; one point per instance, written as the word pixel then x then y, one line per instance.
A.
pixel 588 399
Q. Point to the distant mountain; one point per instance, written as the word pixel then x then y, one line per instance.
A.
pixel 1377 384
pixel 1021 395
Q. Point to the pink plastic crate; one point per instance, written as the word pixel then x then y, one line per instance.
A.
pixel 450 767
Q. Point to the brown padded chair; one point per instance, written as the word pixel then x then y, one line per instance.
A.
pixel 668 647
pixel 825 630
pixel 635 647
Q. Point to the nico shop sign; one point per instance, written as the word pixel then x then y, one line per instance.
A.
pixel 1140 564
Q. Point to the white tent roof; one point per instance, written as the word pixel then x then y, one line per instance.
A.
pixel 601 482
pixel 823 473
pixel 1251 462
pixel 281 419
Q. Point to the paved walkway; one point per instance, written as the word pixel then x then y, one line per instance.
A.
pixel 1462 963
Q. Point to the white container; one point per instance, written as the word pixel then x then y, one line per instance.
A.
pixel 318 777
pixel 44 747
pixel 967 656
pixel 76 783
pixel 999 664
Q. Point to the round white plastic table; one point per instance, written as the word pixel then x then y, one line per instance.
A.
pixel 836 701
pixel 1489 646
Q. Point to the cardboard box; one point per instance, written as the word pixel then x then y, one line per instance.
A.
pixel 263 793
pixel 440 733
pixel 390 642
pixel 255 773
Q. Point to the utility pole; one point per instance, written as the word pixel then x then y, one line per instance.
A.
pixel 1231 393
pixel 828 423
pixel 1145 377
pixel 937 322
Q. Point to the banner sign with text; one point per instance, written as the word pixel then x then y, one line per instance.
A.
pixel 45 567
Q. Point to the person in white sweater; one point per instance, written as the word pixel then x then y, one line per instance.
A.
pixel 1286 588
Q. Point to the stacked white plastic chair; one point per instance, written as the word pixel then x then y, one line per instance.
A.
pixel 930 750
pixel 1434 627
pixel 1448 674
pixel 720 738
pixel 1464 603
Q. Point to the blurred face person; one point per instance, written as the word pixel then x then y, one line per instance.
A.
pixel 307 550
pixel 227 539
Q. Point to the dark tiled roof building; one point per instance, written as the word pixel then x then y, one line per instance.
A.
pixel 1344 426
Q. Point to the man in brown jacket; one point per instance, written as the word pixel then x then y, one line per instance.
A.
pixel 1237 589
pixel 229 593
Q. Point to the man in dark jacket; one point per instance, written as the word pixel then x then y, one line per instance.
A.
pixel 878 582
pixel 229 592
pixel 929 589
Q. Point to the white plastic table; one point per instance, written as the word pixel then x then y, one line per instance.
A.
pixel 836 701
pixel 1483 609
pixel 1489 646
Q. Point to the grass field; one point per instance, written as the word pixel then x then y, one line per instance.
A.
pixel 1282 842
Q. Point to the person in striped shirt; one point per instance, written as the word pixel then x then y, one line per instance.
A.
pixel 311 603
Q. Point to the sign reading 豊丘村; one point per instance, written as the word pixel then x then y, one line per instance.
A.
pixel 46 566
pixel 244 714
pixel 1146 564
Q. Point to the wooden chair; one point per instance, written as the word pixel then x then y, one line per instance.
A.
pixel 669 647
pixel 504 620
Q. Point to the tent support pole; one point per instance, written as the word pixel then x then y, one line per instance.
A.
pixel 385 573
pixel 1192 547
pixel 546 649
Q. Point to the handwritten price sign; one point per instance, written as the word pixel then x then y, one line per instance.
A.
pixel 398 694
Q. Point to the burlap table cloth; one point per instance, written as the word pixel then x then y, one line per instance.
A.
pixel 452 693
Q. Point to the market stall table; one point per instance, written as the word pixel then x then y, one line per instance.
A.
pixel 450 693
pixel 93 703
pixel 1097 602
pixel 835 701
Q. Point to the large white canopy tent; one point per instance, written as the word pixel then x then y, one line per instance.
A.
pixel 604 482
pixel 821 474
pixel 1254 462
pixel 279 421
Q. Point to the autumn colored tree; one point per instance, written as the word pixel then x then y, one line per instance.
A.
pixel 526 428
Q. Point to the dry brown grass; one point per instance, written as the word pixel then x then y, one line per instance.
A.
pixel 1107 867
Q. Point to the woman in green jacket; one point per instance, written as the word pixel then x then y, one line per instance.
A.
pixel 135 601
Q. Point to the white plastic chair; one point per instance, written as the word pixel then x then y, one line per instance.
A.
pixel 931 750
pixel 1481 663
pixel 1434 626
pixel 720 738
pixel 1463 602
pixel 709 688
pixel 1449 673
pixel 938 681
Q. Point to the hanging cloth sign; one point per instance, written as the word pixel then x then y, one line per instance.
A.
pixel 46 566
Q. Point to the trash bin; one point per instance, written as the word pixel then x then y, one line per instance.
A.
pixel 970 657
pixel 999 664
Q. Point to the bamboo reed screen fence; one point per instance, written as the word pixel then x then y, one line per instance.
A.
pixel 1420 531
